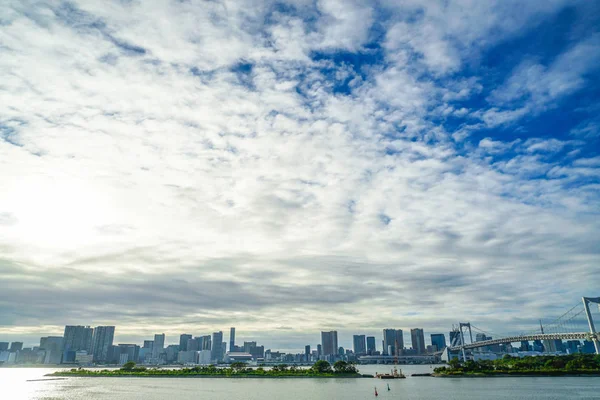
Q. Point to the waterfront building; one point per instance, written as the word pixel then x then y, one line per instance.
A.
pixel 183 341
pixel 393 341
pixel 418 340
pixel 204 357
pixel 148 344
pixel 16 346
pixel 83 358
pixel 329 341
pixel 171 353
pixel 307 353
pixel 76 338
pixel 217 344
pixel 187 357
pixel 232 339
pixel 371 347
pixel 359 344
pixel 438 340
pixel 319 350
pixel 127 352
pixel 53 347
pixel 205 343
pixel 102 339
pixel 193 345
pixel 4 346
pixel 158 346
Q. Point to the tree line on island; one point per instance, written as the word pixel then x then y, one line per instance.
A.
pixel 320 368
pixel 574 364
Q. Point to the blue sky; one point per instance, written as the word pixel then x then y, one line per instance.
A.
pixel 289 167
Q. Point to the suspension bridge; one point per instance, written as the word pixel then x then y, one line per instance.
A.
pixel 575 324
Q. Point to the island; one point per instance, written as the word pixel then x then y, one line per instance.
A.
pixel 573 365
pixel 320 369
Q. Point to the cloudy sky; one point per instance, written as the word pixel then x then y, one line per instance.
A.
pixel 291 167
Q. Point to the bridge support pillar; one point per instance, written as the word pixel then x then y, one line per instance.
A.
pixel 586 306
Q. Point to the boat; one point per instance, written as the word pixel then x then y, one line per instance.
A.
pixel 394 374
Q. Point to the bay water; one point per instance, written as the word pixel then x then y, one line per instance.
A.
pixel 21 384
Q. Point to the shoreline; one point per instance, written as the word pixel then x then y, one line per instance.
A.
pixel 220 376
pixel 519 375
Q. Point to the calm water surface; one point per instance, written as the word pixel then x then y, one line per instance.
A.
pixel 14 386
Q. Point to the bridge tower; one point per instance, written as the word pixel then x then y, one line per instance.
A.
pixel 586 306
pixel 465 325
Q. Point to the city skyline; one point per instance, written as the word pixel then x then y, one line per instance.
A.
pixel 344 338
pixel 292 167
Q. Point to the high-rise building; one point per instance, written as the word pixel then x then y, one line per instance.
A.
pixel 127 352
pixel 158 346
pixel 418 340
pixel 77 338
pixel 393 341
pixel 217 344
pixel 148 344
pixel 232 339
pixel 371 347
pixel 307 353
pixel 206 343
pixel 480 337
pixel 319 350
pixel 102 339
pixel 4 346
pixel 53 348
pixel 359 344
pixel 16 346
pixel 183 340
pixel 193 344
pixel 329 341
pixel 438 340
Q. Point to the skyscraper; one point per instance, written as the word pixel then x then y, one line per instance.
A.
pixel 330 342
pixel 16 346
pixel 206 342
pixel 217 344
pixel 183 340
pixel 3 346
pixel 193 344
pixel 232 339
pixel 393 341
pixel 371 347
pixel 53 347
pixel 77 338
pixel 438 340
pixel 102 340
pixel 319 350
pixel 359 344
pixel 307 353
pixel 158 346
pixel 418 340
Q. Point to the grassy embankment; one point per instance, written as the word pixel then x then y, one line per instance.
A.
pixel 575 364
pixel 321 369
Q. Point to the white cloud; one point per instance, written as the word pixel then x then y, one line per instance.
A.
pixel 164 179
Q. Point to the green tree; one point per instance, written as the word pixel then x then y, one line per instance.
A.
pixel 342 367
pixel 454 363
pixel 128 366
pixel 322 367
pixel 237 366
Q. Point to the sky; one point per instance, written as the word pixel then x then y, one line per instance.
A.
pixel 287 167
